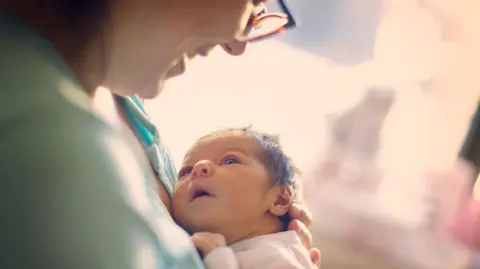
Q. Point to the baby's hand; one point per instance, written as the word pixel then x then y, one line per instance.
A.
pixel 207 242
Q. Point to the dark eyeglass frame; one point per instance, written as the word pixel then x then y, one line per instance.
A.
pixel 262 15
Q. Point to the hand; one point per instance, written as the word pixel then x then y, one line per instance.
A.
pixel 465 227
pixel 206 242
pixel 459 211
pixel 301 219
pixel 449 194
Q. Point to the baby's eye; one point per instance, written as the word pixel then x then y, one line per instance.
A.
pixel 184 171
pixel 230 160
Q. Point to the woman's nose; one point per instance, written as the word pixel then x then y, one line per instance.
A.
pixel 203 168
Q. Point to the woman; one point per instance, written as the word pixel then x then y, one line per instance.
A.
pixel 77 193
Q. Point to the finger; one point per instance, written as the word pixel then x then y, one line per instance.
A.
pixel 315 256
pixel 219 239
pixel 209 239
pixel 198 241
pixel 449 191
pixel 300 212
pixel 302 232
pixel 455 183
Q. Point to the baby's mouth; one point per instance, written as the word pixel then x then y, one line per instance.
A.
pixel 199 193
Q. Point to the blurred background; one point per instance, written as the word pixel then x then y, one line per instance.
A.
pixel 313 83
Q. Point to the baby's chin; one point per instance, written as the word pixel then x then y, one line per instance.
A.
pixel 194 224
pixel 192 228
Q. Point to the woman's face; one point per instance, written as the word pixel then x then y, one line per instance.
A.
pixel 147 40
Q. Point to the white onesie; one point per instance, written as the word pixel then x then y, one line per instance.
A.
pixel 272 251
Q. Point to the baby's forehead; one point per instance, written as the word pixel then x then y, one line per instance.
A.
pixel 220 143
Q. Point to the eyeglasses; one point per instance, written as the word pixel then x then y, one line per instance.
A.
pixel 264 24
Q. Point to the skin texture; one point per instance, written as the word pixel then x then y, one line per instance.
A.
pixel 241 202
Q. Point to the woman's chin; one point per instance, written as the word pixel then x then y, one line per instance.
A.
pixel 153 89
pixel 174 73
pixel 150 92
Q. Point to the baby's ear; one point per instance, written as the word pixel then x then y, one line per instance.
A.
pixel 283 200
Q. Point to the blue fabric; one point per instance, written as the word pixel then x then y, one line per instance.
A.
pixel 144 134
pixel 158 155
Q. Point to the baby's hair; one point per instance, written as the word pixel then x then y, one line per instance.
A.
pixel 280 167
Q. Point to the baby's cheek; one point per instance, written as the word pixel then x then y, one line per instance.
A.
pixel 254 195
pixel 179 197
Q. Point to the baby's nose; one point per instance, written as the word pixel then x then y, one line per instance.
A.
pixel 202 168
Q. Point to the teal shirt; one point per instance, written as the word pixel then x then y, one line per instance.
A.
pixel 147 133
pixel 73 192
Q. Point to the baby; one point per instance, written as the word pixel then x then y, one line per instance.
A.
pixel 232 195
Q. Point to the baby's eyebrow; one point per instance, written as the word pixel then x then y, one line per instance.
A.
pixel 188 161
pixel 236 149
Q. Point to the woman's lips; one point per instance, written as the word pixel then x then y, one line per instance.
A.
pixel 178 69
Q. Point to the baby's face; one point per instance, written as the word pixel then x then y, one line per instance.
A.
pixel 223 183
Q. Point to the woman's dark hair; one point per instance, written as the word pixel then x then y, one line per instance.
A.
pixel 82 16
pixel 78 18
pixel 75 17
